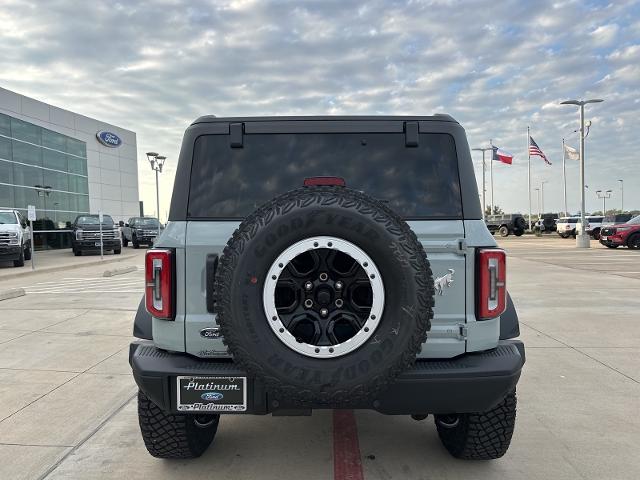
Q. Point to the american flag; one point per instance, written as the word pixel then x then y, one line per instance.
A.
pixel 534 150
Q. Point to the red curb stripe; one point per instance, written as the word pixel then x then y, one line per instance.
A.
pixel 346 449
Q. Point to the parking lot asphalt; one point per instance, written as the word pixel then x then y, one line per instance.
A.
pixel 67 406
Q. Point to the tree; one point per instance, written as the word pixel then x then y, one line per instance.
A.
pixel 496 210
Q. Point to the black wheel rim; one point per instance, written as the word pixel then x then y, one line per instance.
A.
pixel 323 297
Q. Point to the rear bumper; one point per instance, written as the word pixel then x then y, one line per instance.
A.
pixel 469 383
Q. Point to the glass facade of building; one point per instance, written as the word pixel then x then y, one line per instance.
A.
pixel 47 169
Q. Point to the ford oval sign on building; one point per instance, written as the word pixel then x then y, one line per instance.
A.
pixel 109 139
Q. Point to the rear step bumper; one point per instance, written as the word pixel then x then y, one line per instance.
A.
pixel 473 382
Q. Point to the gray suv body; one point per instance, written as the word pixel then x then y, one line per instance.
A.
pixel 326 262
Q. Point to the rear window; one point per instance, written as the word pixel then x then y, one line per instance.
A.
pixel 416 182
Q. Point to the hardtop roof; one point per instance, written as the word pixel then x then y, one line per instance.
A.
pixel 438 117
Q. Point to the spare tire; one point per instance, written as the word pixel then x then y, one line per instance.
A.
pixel 324 295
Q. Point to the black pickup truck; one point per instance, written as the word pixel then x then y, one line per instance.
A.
pixel 86 234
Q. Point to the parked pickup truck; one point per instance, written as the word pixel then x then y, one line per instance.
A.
pixel 326 263
pixel 15 238
pixel 87 234
pixel 140 230
pixel 592 227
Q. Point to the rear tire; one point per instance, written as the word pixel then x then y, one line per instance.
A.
pixel 634 241
pixel 117 251
pixel 27 253
pixel 174 436
pixel 596 234
pixel 518 233
pixel 77 252
pixel 135 243
pixel 20 261
pixel 125 242
pixel 504 231
pixel 479 436
pixel 611 246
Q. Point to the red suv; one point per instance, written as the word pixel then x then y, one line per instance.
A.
pixel 628 234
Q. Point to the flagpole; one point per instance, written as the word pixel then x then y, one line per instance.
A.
pixel 484 186
pixel 564 180
pixel 491 174
pixel 529 174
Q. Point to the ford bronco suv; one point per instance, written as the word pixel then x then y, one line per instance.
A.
pixel 326 262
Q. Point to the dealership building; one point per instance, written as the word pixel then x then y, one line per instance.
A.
pixel 65 164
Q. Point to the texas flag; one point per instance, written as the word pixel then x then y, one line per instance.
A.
pixel 500 155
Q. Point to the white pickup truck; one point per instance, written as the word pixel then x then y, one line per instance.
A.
pixel 594 223
pixel 15 238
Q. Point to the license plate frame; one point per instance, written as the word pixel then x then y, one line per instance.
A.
pixel 207 393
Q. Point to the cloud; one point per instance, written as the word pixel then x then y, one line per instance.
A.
pixel 497 67
pixel 605 34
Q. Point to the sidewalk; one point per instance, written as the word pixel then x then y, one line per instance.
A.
pixel 56 260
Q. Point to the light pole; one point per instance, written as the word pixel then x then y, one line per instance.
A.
pixel 604 195
pixel 582 239
pixel 542 192
pixel 157 161
pixel 538 201
pixel 484 185
pixel 621 196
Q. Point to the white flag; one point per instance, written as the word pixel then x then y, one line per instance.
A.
pixel 571 153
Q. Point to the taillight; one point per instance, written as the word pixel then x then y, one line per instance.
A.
pixel 491 278
pixel 324 181
pixel 159 287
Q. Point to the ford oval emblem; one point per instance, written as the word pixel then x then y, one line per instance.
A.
pixel 213 332
pixel 108 139
pixel 212 396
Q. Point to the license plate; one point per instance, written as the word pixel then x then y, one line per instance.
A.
pixel 605 238
pixel 98 244
pixel 212 394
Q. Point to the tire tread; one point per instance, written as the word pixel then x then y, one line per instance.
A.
pixel 172 436
pixel 482 436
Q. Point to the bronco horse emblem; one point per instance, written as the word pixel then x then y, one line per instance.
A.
pixel 444 281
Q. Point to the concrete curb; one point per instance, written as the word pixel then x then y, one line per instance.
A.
pixel 12 293
pixel 68 266
pixel 119 271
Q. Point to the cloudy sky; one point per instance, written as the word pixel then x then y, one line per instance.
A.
pixel 497 67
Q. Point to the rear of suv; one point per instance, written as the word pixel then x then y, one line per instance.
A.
pixel 326 262
pixel 506 224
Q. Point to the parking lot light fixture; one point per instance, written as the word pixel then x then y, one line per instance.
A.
pixel 582 239
pixel 603 196
pixel 484 168
pixel 157 162
pixel 621 196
